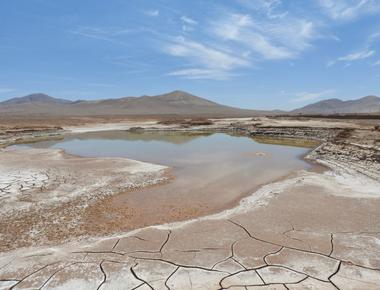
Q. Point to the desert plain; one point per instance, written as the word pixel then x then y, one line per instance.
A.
pixel 315 228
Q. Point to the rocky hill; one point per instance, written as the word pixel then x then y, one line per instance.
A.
pixel 369 104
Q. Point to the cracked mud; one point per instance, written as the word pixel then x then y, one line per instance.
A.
pixel 293 241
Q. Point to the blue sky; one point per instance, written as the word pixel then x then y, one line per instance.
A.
pixel 249 53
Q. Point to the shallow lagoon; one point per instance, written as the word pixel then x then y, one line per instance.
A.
pixel 212 171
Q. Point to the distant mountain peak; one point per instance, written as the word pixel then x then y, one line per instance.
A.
pixel 330 101
pixel 370 98
pixel 180 97
pixel 368 104
pixel 178 94
pixel 37 97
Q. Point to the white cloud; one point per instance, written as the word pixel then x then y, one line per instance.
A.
pixel 93 32
pixel 239 41
pixel 208 62
pixel 309 96
pixel 209 57
pixel 108 34
pixel 188 23
pixel 268 7
pixel 201 73
pixel 281 39
pixel 357 55
pixel 373 37
pixel 152 13
pixel 113 34
pixel 376 62
pixel 188 20
pixel 349 9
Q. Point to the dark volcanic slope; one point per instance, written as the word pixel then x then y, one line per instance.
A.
pixel 369 104
pixel 174 103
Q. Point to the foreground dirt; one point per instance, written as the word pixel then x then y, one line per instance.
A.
pixel 44 192
pixel 311 231
pixel 296 234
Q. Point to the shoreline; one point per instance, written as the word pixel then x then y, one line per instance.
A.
pixel 264 191
pixel 169 218
pixel 241 126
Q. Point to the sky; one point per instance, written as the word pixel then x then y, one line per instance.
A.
pixel 259 54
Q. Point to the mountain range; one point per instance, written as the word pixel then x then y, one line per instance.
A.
pixel 369 104
pixel 174 103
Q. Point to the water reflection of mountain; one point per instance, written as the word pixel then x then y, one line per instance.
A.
pixel 286 141
pixel 175 137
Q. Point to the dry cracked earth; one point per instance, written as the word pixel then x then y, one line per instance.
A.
pixel 307 232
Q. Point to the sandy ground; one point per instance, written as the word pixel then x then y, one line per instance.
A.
pixel 45 192
pixel 223 123
pixel 315 230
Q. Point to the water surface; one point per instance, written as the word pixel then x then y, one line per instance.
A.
pixel 212 170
